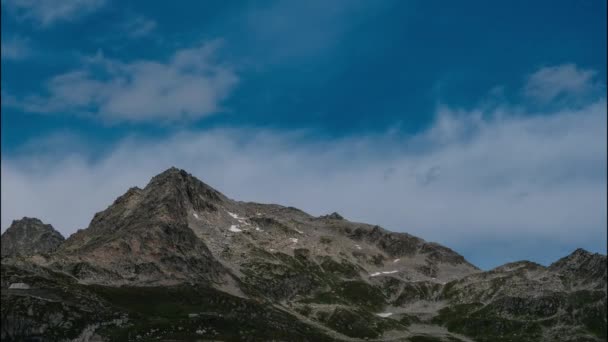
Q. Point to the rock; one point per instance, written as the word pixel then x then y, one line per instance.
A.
pixel 332 216
pixel 29 236
pixel 19 286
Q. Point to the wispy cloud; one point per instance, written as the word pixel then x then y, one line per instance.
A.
pixel 138 26
pixel 47 13
pixel 191 84
pixel 15 48
pixel 561 81
pixel 300 29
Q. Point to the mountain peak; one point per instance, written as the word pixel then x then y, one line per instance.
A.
pixel 178 179
pixel 171 175
pixel 578 255
pixel 580 251
pixel 171 172
pixel 582 264
pixel 27 219
pixel 29 236
pixel 333 216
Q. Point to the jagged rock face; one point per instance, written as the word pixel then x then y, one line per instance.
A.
pixel 144 238
pixel 582 267
pixel 29 236
pixel 183 252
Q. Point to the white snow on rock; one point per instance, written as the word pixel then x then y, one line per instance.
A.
pixel 195 215
pixel 258 229
pixel 384 314
pixel 358 247
pixel 19 286
pixel 299 231
pixel 235 229
pixel 381 273
pixel 238 218
pixel 294 240
pixel 396 260
pixel 258 214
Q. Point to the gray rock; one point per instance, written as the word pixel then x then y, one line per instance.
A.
pixel 29 236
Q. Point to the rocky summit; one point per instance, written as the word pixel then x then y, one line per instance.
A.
pixel 179 261
pixel 30 236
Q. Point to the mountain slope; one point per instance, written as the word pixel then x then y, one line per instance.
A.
pixel 177 227
pixel 182 253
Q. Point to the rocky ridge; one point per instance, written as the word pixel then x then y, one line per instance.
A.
pixel 180 252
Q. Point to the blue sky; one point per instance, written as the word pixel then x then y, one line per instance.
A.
pixel 480 125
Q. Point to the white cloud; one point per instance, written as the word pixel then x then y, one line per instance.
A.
pixel 15 48
pixel 139 26
pixel 497 176
pixel 566 80
pixel 47 13
pixel 190 85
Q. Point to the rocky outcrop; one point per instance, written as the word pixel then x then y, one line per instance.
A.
pixel 29 236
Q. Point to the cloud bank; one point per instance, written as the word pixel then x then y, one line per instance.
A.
pixel 500 174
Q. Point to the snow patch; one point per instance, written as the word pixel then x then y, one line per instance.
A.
pixel 258 229
pixel 195 215
pixel 234 216
pixel 384 314
pixel 294 240
pixel 299 231
pixel 19 286
pixel 358 247
pixel 396 260
pixel 381 273
pixel 235 229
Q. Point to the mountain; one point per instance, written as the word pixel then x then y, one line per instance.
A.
pixel 30 236
pixel 178 260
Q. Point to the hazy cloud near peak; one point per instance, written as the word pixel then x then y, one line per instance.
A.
pixel 191 84
pixel 497 176
pixel 47 13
